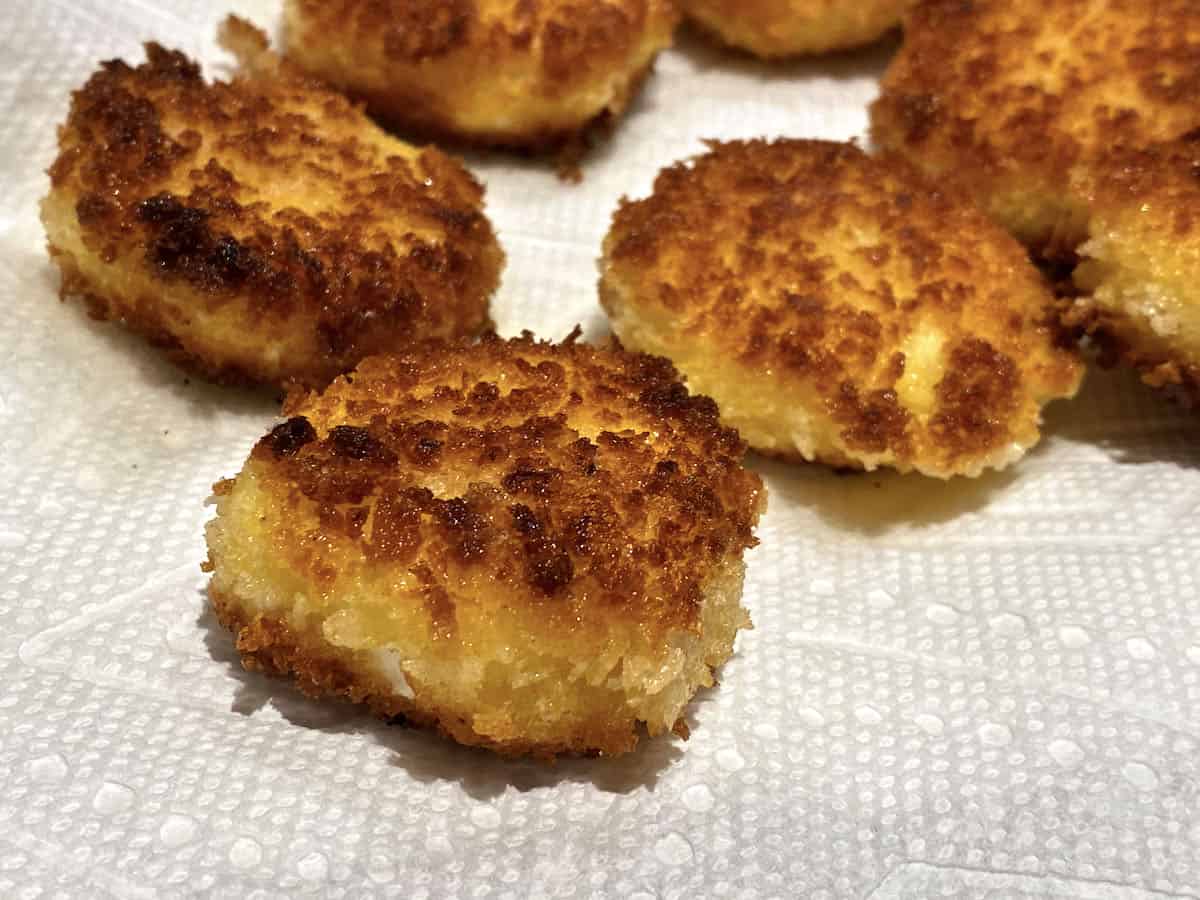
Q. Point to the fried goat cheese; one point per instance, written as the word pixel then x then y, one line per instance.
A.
pixel 782 28
pixel 1139 269
pixel 531 547
pixel 522 74
pixel 261 229
pixel 839 308
pixel 1007 97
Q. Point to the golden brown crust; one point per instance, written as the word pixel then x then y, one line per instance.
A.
pixel 530 73
pixel 270 646
pixel 261 227
pixel 1139 270
pixel 1005 97
pixel 555 504
pixel 775 29
pixel 551 499
pixel 808 270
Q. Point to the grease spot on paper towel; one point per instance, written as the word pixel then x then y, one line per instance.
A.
pixel 112 798
pixel 52 767
pixel 673 849
pixel 1066 752
pixel 1140 775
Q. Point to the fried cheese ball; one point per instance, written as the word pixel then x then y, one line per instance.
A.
pixel 261 229
pixel 1007 97
pixel 531 547
pixel 502 72
pixel 839 308
pixel 782 28
pixel 1139 269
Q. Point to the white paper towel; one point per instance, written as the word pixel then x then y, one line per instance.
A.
pixel 978 689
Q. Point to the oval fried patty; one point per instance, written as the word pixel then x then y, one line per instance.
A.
pixel 261 229
pixel 838 307
pixel 782 28
pixel 1006 97
pixel 531 547
pixel 492 71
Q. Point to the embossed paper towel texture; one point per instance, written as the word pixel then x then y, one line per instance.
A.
pixel 982 689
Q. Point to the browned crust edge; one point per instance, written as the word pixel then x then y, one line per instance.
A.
pixel 270 646
pixel 1175 375
pixel 144 318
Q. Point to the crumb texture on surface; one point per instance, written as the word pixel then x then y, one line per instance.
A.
pixel 1006 97
pixel 263 228
pixel 784 28
pixel 1139 269
pixel 531 547
pixel 839 308
pixel 508 72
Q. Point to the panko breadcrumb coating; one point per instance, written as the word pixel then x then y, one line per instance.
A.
pixel 522 73
pixel 782 28
pixel 1006 97
pixel 531 547
pixel 1139 269
pixel 261 229
pixel 839 308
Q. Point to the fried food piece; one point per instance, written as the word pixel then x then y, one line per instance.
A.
pixel 1140 266
pixel 530 547
pixel 1006 97
pixel 521 74
pixel 782 28
pixel 839 308
pixel 261 229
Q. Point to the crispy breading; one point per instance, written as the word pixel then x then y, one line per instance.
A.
pixel 524 73
pixel 839 307
pixel 261 229
pixel 532 547
pixel 1139 269
pixel 1006 97
pixel 782 28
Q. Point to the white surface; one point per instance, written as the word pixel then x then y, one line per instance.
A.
pixel 981 689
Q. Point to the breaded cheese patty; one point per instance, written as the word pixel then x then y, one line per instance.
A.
pixel 261 229
pixel 1006 97
pixel 1139 269
pixel 531 547
pixel 782 28
pixel 527 73
pixel 839 308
